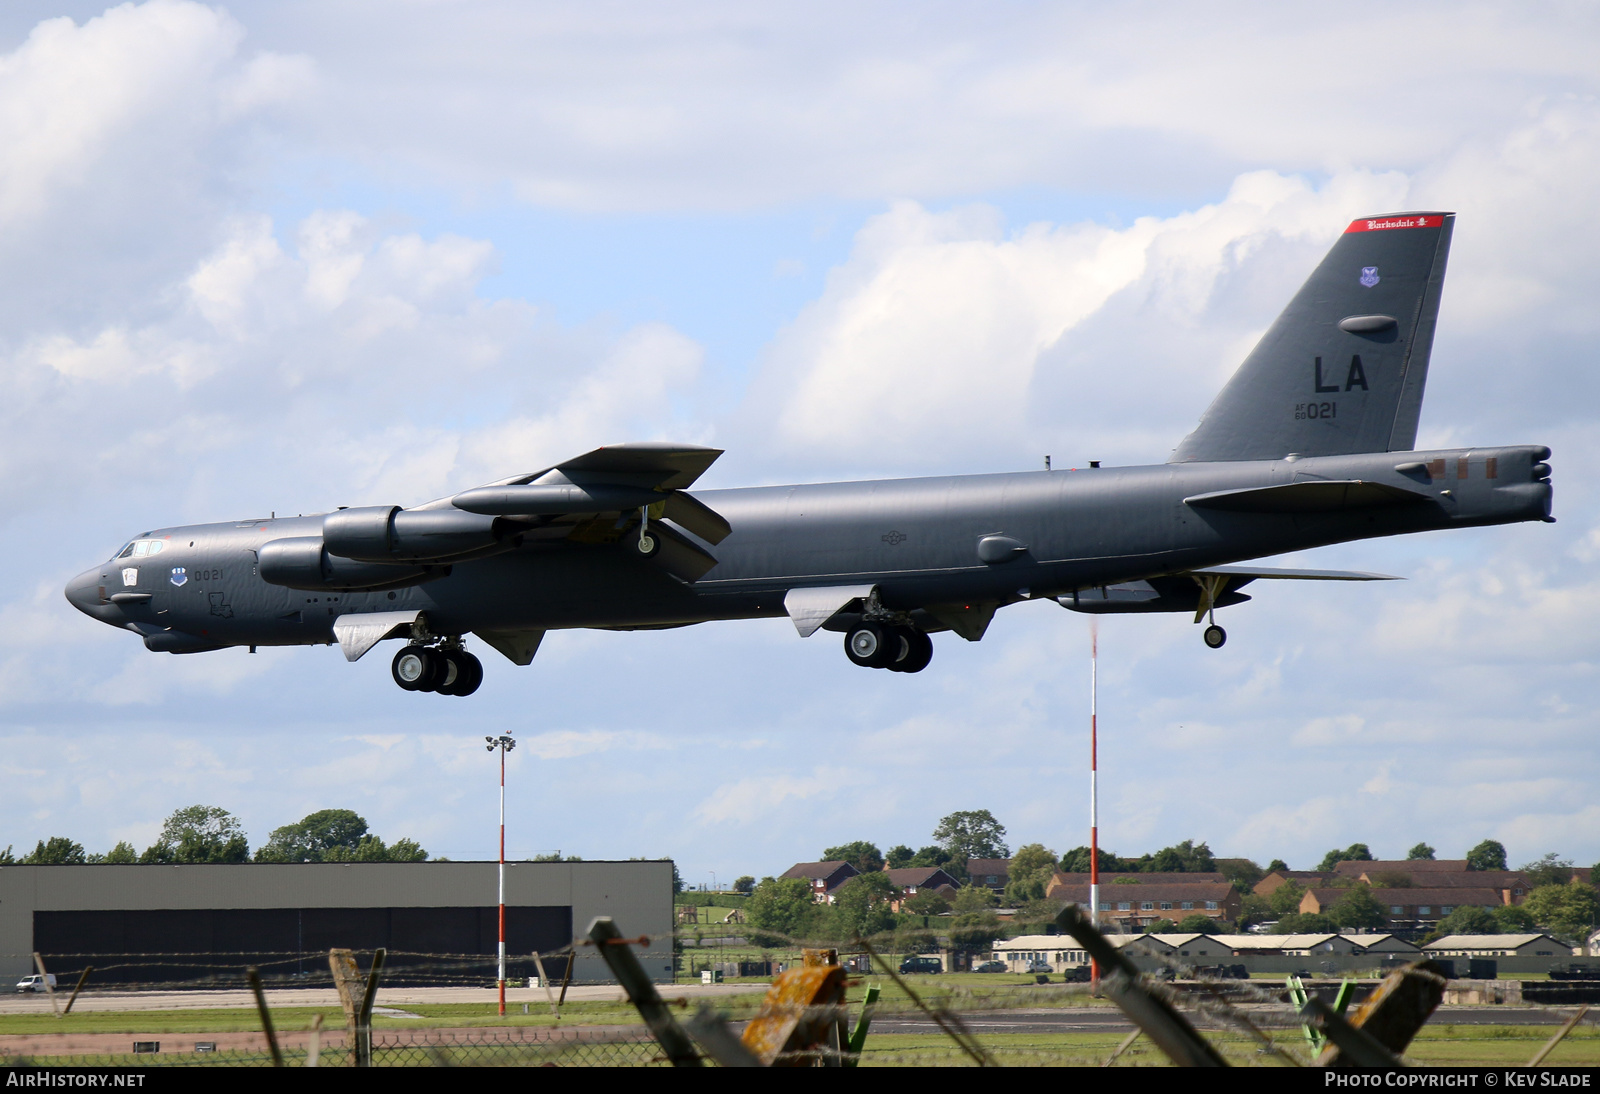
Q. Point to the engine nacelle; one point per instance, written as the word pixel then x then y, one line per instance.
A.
pixel 302 562
pixel 389 534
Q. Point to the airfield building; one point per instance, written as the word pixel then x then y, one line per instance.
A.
pixel 438 921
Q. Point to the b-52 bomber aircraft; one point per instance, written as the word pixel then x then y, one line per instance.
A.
pixel 1308 444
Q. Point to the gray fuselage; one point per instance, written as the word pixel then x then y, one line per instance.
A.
pixel 915 539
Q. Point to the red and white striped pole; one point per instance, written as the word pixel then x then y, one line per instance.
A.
pixel 1094 789
pixel 504 744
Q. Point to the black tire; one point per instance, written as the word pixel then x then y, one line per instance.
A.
pixel 472 675
pixel 415 668
pixel 919 653
pixel 452 672
pixel 871 645
pixel 1215 636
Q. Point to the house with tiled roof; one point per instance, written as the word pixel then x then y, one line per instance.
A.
pixel 1408 909
pixel 1133 907
pixel 824 877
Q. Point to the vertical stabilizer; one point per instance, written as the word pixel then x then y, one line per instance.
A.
pixel 1343 368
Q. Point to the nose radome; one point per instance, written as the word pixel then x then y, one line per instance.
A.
pixel 83 593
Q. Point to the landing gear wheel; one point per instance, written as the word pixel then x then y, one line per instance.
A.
pixel 647 545
pixel 415 668
pixel 918 653
pixel 871 645
pixel 452 671
pixel 471 674
pixel 1215 636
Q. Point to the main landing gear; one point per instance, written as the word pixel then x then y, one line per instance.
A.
pixel 448 670
pixel 889 646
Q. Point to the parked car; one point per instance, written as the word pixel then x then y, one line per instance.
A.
pixel 37 983
pixel 922 964
pixel 1038 965
pixel 1078 974
pixel 991 966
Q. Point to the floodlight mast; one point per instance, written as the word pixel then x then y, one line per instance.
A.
pixel 505 744
pixel 1094 789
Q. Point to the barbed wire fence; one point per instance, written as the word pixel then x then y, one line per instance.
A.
pixel 890 1021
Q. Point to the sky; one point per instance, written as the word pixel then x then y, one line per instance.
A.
pixel 283 257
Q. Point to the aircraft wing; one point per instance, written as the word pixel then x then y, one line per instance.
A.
pixel 600 496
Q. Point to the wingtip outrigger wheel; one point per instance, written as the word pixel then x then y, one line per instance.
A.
pixel 647 544
pixel 1211 587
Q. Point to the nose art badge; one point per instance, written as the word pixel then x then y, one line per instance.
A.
pixel 1369 276
pixel 130 576
pixel 180 576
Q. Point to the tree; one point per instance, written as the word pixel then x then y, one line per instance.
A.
pixel 1549 870
pixel 1357 908
pixel 899 857
pixel 56 851
pixel 973 898
pixel 861 906
pixel 974 932
pixel 1076 861
pixel 1488 855
pixel 779 908
pixel 1467 919
pixel 1277 864
pixel 970 834
pixel 1240 872
pixel 1031 858
pixel 1029 875
pixel 859 853
pixel 6 857
pixel 1512 919
pixel 744 884
pixel 122 854
pixel 1160 926
pixel 926 902
pixel 313 837
pixel 199 833
pixel 1304 923
pixel 1570 910
pixel 1180 858
pixel 1421 852
pixel 931 855
pixel 1254 909
pixel 1356 852
pixel 1285 899
pixel 409 850
pixel 1196 924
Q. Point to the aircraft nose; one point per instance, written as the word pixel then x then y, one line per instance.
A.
pixel 83 593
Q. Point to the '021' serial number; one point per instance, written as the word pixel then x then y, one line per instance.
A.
pixel 206 575
pixel 1316 410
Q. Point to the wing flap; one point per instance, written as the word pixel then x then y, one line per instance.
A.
pixel 811 608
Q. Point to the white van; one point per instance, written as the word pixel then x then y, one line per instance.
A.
pixel 37 983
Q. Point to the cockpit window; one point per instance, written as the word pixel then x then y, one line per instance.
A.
pixel 139 548
pixel 125 552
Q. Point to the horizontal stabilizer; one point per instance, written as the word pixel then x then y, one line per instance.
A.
pixel 1312 496
pixel 1259 574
